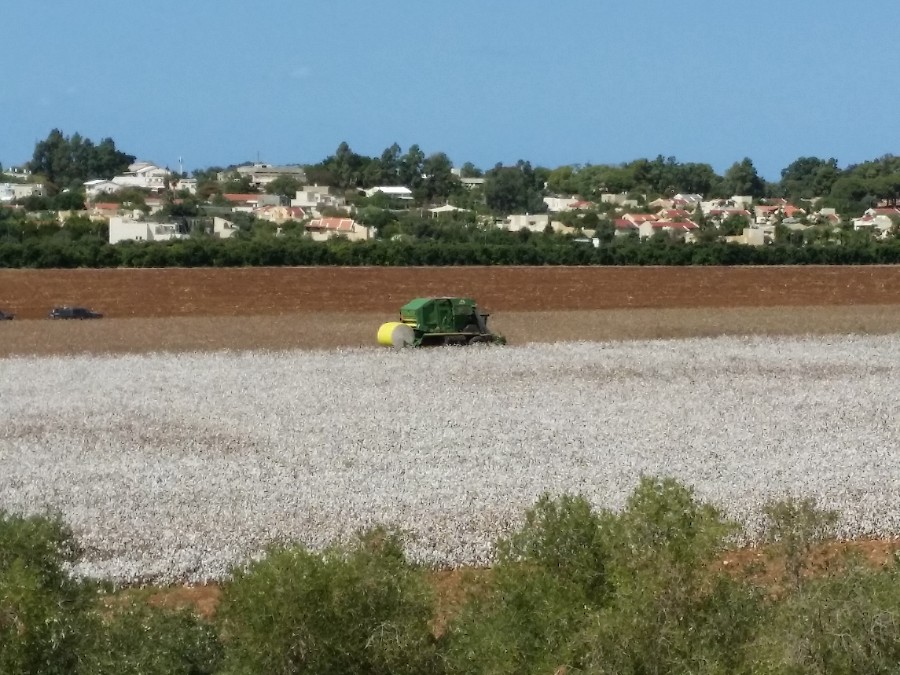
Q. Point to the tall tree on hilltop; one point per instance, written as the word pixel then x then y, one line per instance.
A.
pixel 508 189
pixel 68 162
pixel 742 179
pixel 808 177
pixel 411 167
pixel 389 165
pixel 439 181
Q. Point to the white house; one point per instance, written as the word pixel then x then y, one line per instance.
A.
pixel 559 204
pixel 751 236
pixel 99 186
pixel 224 229
pixel 445 210
pixel 187 184
pixel 314 198
pixel 685 229
pixel 625 227
pixel 395 191
pixel 686 201
pixel 261 174
pixel 143 175
pixel 128 229
pixel 880 220
pixel 536 222
pixel 279 214
pixel 12 191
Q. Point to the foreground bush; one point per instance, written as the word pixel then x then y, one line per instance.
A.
pixel 671 611
pixel 51 624
pixel 844 624
pixel 44 617
pixel 601 592
pixel 549 576
pixel 575 590
pixel 142 640
pixel 362 610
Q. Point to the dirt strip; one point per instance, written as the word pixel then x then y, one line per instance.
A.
pixel 143 293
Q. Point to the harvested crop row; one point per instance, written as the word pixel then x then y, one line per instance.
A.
pixel 174 467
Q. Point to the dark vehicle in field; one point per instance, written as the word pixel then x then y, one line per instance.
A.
pixel 74 313
pixel 6 316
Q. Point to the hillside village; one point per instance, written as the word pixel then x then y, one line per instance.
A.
pixel 325 212
pixel 73 188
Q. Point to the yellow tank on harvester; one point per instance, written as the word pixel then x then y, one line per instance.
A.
pixel 438 321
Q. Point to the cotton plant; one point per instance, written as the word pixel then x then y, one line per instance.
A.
pixel 175 467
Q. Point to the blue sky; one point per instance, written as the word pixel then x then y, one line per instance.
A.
pixel 572 81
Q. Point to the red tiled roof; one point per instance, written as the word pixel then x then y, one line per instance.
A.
pixel 639 218
pixel 623 224
pixel 107 206
pixel 335 224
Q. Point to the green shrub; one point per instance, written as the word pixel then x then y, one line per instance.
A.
pixel 141 640
pixel 664 533
pixel 43 613
pixel 793 528
pixel 361 610
pixel 671 612
pixel 844 624
pixel 549 576
pixel 633 592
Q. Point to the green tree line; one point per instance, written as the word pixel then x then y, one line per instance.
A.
pixel 90 251
pixel 573 589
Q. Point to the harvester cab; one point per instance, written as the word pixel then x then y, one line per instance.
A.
pixel 438 321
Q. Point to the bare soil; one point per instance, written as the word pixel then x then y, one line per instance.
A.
pixel 330 330
pixel 127 293
pixel 327 307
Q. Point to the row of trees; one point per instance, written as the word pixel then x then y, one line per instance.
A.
pixel 573 590
pixel 89 250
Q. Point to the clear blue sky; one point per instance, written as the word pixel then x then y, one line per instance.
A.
pixel 572 81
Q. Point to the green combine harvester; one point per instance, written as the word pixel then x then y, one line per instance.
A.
pixel 438 321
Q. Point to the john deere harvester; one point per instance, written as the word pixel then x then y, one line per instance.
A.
pixel 438 321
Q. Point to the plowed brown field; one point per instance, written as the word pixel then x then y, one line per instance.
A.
pixel 276 291
pixel 279 308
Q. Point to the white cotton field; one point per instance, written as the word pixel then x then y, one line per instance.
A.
pixel 175 467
